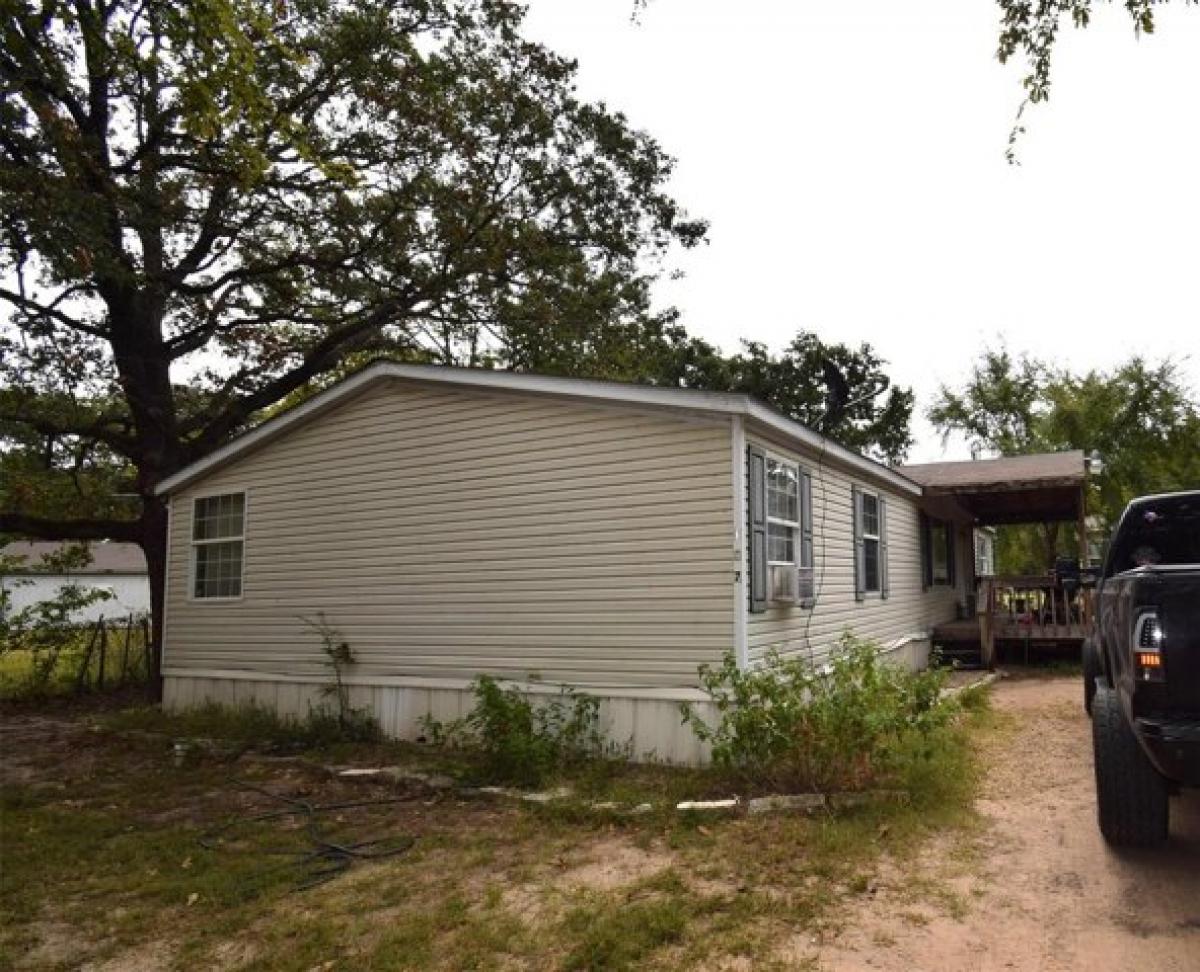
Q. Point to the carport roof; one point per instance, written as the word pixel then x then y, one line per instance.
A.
pixel 1042 488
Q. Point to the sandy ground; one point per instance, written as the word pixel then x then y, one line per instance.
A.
pixel 1038 889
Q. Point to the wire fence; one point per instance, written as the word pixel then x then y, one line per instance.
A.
pixel 96 656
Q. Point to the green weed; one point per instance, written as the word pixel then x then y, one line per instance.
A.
pixel 847 724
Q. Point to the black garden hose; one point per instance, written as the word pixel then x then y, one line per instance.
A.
pixel 324 859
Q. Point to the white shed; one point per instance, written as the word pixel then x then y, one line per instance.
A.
pixel 116 567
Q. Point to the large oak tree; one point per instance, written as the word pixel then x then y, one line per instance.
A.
pixel 204 206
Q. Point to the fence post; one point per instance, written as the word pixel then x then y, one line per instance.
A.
pixel 81 675
pixel 125 652
pixel 103 652
pixel 147 648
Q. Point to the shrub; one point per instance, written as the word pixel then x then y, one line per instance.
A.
pixel 522 740
pixel 841 725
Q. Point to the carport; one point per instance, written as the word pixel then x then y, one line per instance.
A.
pixel 1020 610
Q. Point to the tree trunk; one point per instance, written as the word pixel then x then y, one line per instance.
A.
pixel 154 547
pixel 144 368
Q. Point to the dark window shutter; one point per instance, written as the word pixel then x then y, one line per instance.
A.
pixel 860 583
pixel 951 545
pixel 883 548
pixel 808 567
pixel 756 480
pixel 926 553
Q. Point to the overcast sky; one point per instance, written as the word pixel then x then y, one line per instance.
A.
pixel 850 159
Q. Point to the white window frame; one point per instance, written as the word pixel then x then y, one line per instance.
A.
pixel 877 537
pixel 793 525
pixel 193 544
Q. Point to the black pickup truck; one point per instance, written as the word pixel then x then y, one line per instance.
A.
pixel 1142 667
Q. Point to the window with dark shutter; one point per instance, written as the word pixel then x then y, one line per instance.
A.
pixel 883 548
pixel 756 480
pixel 926 528
pixel 781 524
pixel 870 545
pixel 860 589
pixel 806 570
pixel 937 552
pixel 939 563
pixel 869 527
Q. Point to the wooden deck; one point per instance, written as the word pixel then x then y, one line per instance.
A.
pixel 1019 612
pixel 970 632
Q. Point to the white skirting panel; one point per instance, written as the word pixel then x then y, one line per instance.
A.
pixel 651 728
pixel 910 653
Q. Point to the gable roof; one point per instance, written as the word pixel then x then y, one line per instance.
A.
pixel 580 389
pixel 107 557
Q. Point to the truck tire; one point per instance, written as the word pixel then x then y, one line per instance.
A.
pixel 1131 794
pixel 1091 672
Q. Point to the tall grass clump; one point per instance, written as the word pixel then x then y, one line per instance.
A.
pixel 851 722
pixel 249 724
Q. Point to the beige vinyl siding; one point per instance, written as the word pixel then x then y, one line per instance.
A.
pixel 907 611
pixel 448 532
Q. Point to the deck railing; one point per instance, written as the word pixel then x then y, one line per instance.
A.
pixel 1030 608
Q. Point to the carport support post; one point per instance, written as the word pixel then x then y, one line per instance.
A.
pixel 1084 595
pixel 987 638
pixel 1083 555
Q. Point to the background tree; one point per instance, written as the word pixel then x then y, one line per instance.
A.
pixel 206 205
pixel 59 475
pixel 1140 417
pixel 806 382
pixel 1031 29
pixel 841 391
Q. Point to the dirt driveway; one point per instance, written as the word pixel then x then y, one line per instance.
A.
pixel 1037 889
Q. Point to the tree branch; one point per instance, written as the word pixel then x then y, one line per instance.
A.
pixel 38 309
pixel 325 354
pixel 100 430
pixel 127 531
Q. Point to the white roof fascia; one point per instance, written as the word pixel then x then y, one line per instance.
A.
pixel 814 440
pixel 578 388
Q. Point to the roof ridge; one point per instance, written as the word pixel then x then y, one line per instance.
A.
pixel 732 403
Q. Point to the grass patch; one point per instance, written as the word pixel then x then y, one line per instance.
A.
pixel 101 838
pixel 621 932
pixel 476 937
pixel 112 872
pixel 248 725
pixel 21 680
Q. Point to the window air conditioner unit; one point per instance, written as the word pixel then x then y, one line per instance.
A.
pixel 783 579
